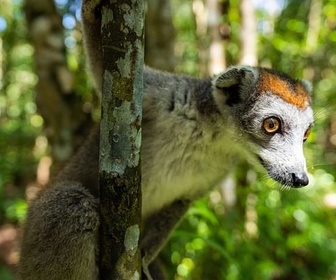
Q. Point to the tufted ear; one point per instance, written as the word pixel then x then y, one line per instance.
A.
pixel 231 84
pixel 307 86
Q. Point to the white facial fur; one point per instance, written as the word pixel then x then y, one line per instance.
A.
pixel 282 153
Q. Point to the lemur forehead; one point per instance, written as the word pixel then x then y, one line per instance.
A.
pixel 289 90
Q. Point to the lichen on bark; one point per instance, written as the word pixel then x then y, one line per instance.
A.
pixel 120 170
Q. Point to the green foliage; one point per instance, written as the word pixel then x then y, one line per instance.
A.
pixel 272 235
pixel 6 274
pixel 267 233
pixel 20 123
pixel 186 43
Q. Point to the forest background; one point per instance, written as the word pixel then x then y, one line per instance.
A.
pixel 248 228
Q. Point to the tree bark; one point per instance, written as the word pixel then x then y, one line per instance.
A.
pixel 217 61
pixel 61 108
pixel 248 34
pixel 203 38
pixel 314 25
pixel 160 35
pixel 209 30
pixel 120 169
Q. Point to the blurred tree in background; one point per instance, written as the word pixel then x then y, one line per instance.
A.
pixel 245 229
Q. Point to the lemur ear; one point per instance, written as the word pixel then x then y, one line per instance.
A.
pixel 231 85
pixel 307 86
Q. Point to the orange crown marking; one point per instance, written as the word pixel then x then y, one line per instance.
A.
pixel 290 91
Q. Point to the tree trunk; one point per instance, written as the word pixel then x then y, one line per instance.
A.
pixel 217 61
pixel 160 35
pixel 248 34
pixel 61 108
pixel 314 25
pixel 120 169
pixel 209 30
pixel 203 38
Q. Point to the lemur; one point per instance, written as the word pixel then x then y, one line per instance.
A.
pixel 194 131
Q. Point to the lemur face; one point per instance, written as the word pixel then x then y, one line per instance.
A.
pixel 277 131
pixel 274 115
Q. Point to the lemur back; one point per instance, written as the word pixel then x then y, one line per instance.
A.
pixel 194 131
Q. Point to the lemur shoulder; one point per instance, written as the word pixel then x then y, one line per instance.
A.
pixel 194 131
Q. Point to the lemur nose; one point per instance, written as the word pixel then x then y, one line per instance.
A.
pixel 300 179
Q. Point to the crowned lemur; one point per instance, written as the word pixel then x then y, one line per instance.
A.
pixel 194 130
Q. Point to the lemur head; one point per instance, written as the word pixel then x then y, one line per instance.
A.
pixel 274 115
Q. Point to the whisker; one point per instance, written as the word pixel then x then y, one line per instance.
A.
pixel 314 166
pixel 319 113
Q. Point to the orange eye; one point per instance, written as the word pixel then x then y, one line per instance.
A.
pixel 306 135
pixel 271 125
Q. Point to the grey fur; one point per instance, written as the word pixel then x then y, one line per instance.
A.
pixel 194 131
